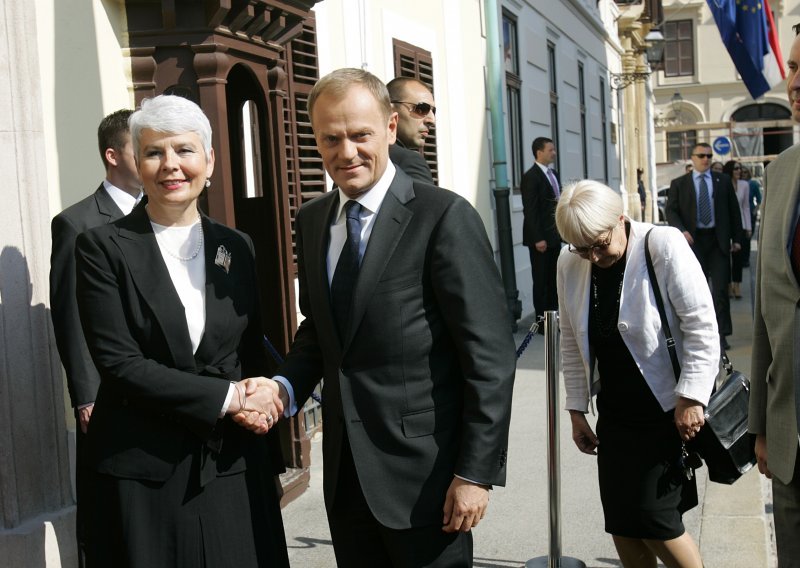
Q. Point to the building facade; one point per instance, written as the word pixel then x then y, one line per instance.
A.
pixel 701 98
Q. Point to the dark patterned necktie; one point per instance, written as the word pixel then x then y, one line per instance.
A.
pixel 704 209
pixel 346 273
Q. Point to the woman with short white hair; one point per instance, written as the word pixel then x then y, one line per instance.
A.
pixel 612 346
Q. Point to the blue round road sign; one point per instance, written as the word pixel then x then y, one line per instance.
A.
pixel 722 145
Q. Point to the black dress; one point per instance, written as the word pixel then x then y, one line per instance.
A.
pixel 642 490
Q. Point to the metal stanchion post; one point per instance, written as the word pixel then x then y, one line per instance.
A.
pixel 554 558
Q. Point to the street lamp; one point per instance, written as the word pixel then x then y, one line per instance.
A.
pixel 654 52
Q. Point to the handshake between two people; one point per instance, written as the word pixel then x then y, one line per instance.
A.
pixel 258 404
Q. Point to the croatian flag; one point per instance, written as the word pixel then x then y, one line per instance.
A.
pixel 748 31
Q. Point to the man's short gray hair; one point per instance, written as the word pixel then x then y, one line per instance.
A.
pixel 338 82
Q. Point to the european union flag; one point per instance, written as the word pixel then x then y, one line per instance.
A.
pixel 745 33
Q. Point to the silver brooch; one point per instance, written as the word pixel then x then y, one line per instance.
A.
pixel 223 259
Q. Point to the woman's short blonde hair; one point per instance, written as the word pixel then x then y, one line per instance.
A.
pixel 586 210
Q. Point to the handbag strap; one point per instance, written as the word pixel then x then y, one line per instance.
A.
pixel 673 354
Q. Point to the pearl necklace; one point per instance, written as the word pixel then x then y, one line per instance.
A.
pixel 197 249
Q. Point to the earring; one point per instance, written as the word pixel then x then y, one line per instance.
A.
pixel 208 182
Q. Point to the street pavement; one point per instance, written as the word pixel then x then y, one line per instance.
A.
pixel 732 524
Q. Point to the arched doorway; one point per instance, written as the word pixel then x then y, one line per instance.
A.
pixel 766 141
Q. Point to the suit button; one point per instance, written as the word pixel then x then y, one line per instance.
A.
pixel 622 326
pixel 124 402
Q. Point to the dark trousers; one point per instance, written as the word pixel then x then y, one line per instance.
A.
pixel 84 491
pixel 717 267
pixel 786 509
pixel 359 540
pixel 543 264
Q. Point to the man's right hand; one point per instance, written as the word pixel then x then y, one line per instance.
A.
pixel 541 246
pixel 761 455
pixel 84 414
pixel 689 238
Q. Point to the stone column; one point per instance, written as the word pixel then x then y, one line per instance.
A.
pixel 36 504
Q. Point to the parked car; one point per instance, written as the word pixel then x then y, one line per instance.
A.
pixel 661 201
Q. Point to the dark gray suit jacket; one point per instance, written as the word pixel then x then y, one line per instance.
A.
pixel 98 209
pixel 539 208
pixel 682 209
pixel 410 161
pixel 421 382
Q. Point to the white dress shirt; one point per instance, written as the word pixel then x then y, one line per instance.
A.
pixel 124 200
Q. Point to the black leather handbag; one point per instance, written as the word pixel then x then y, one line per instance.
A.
pixel 723 442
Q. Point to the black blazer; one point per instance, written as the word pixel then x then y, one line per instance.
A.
pixel 539 208
pixel 98 209
pixel 421 382
pixel 681 208
pixel 411 162
pixel 157 400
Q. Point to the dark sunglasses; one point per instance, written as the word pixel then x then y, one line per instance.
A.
pixel 420 109
pixel 709 156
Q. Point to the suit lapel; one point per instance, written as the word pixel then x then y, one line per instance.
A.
pixel 138 245
pixel 316 236
pixel 106 205
pixel 219 289
pixel 691 199
pixel 789 221
pixel 390 224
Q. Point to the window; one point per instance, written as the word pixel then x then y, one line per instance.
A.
pixel 604 127
pixel 516 155
pixel 411 61
pixel 582 107
pixel 679 48
pixel 680 144
pixel 551 59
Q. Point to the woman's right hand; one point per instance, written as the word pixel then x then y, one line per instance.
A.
pixel 582 433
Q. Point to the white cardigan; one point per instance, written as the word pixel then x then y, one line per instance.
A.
pixel 690 313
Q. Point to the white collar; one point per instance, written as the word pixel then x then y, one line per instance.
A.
pixel 124 200
pixel 373 197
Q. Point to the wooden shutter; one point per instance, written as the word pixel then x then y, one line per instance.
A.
pixel 304 168
pixel 411 61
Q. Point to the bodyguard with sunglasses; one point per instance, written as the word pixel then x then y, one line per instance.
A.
pixel 703 205
pixel 416 116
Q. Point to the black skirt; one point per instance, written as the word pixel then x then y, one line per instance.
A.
pixel 642 487
pixel 233 521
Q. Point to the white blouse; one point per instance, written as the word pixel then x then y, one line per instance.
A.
pixel 183 251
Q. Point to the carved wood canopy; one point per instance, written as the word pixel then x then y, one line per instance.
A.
pixel 241 25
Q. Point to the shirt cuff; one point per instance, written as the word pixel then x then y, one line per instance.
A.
pixel 291 409
pixel 85 405
pixel 228 398
pixel 487 485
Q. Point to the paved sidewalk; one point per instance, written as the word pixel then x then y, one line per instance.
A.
pixel 731 524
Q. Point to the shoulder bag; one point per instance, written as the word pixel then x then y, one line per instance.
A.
pixel 723 442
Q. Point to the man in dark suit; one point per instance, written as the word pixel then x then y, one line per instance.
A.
pixel 703 205
pixel 115 198
pixel 540 191
pixel 775 371
pixel 415 345
pixel 416 115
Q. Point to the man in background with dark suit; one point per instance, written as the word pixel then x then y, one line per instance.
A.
pixel 703 205
pixel 416 116
pixel 405 319
pixel 540 191
pixel 115 198
pixel 775 371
